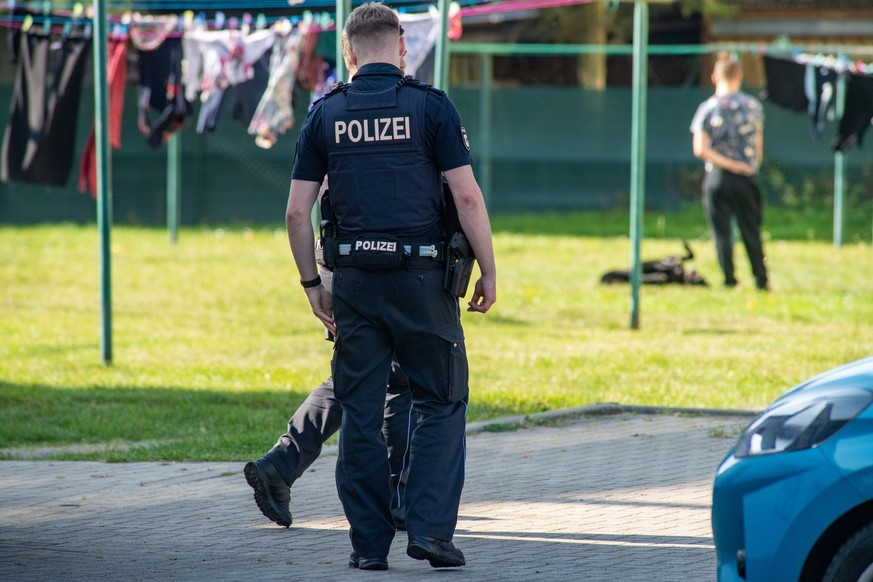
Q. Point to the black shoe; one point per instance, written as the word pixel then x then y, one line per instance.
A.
pixel 440 553
pixel 272 494
pixel 356 561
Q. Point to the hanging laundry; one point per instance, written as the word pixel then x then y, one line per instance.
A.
pixel 160 89
pixel 147 33
pixel 249 94
pixel 116 78
pixel 857 114
pixel 420 31
pixel 216 60
pixel 311 71
pixel 786 83
pixel 39 140
pixel 13 35
pixel 275 112
pixel 820 85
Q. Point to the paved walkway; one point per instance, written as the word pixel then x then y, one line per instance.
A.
pixel 621 497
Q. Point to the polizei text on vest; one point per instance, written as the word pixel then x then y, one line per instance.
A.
pixel 372 130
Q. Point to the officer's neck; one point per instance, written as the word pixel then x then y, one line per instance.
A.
pixel 384 57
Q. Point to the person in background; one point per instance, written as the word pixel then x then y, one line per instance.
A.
pixel 728 130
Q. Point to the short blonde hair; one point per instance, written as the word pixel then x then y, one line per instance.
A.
pixel 371 26
pixel 726 67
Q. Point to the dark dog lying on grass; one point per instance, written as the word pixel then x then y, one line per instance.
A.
pixel 662 272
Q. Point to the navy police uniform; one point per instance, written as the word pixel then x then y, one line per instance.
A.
pixel 384 140
pixel 319 417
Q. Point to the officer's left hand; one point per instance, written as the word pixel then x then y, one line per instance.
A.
pixel 484 295
pixel 318 308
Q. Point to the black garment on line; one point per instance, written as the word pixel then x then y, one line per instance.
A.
pixel 786 82
pixel 857 114
pixel 39 141
pixel 160 89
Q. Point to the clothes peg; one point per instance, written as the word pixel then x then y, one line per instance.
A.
pixel 27 24
pixel 47 16
pixel 261 21
pixel 246 23
pixel 188 19
pixel 233 23
pixel 219 20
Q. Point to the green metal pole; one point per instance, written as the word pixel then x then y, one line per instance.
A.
pixel 343 8
pixel 173 185
pixel 104 172
pixel 441 61
pixel 486 73
pixel 839 168
pixel 638 151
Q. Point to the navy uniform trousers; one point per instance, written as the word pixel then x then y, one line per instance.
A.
pixel 319 417
pixel 403 312
pixel 726 194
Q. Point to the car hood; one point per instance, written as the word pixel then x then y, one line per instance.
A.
pixel 856 375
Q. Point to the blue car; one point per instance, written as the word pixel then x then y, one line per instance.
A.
pixel 793 500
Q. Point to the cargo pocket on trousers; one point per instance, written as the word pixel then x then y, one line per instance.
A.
pixel 455 353
pixel 337 370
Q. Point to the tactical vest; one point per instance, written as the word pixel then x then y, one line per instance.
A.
pixel 382 177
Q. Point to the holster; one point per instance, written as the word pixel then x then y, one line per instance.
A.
pixel 326 243
pixel 459 254
pixel 459 265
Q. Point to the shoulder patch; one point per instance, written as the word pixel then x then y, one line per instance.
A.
pixel 464 138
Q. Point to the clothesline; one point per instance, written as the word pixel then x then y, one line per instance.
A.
pixel 158 6
pixel 839 63
pixel 177 71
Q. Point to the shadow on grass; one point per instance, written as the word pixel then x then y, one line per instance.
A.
pixel 127 423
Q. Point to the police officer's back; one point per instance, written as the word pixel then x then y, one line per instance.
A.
pixel 384 142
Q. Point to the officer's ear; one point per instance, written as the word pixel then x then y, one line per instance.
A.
pixel 402 46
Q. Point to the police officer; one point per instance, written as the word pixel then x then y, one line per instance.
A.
pixel 384 141
pixel 319 417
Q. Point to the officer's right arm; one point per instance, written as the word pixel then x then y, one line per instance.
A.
pixel 298 222
pixel 477 228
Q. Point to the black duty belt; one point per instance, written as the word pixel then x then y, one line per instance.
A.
pixel 435 251
pixel 386 252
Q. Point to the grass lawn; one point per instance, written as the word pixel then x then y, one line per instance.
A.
pixel 215 346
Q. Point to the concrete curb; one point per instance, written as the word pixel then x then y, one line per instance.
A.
pixel 600 409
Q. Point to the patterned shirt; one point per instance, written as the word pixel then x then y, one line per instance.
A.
pixel 732 121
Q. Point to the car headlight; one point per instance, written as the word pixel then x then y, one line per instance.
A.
pixel 802 421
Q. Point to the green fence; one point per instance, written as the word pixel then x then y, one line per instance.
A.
pixel 551 149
